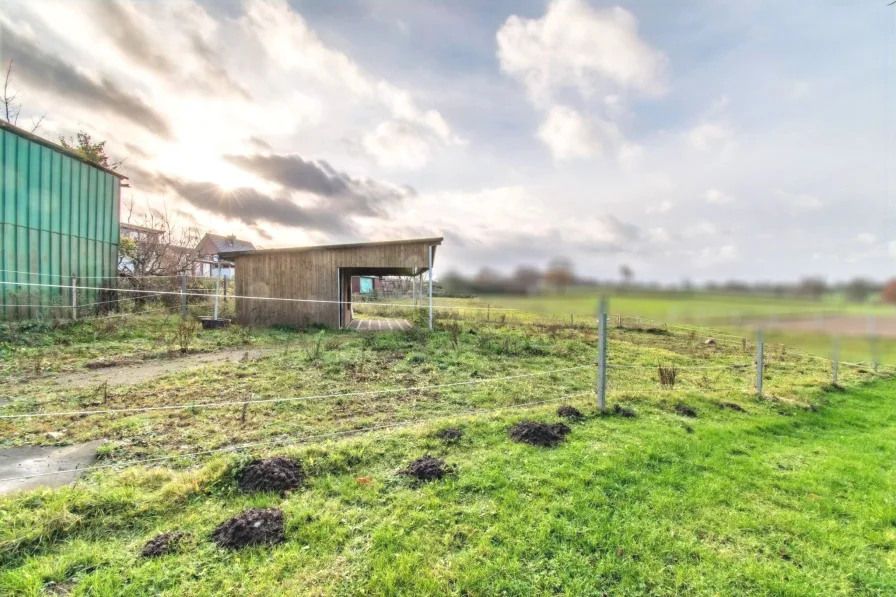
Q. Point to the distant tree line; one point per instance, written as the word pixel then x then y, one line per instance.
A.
pixel 559 276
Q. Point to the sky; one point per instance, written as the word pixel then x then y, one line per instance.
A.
pixel 691 140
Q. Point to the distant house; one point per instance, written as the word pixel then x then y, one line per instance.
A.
pixel 209 249
pixel 139 234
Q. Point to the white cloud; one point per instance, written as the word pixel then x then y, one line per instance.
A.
pixel 892 248
pixel 658 235
pixel 292 44
pixel 717 197
pixel 576 46
pixel 568 135
pixel 396 145
pixel 701 228
pixel 662 207
pixel 710 256
pixel 801 202
pixel 586 50
pixel 866 238
pixel 709 136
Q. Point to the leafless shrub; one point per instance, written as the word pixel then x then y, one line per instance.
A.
pixel 184 334
pixel 454 329
pixel 667 376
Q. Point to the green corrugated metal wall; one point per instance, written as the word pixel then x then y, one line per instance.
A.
pixel 58 218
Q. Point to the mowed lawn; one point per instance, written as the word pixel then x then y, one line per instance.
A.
pixel 770 502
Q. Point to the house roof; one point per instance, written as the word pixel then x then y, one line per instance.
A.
pixel 227 244
pixel 56 147
pixel 412 241
pixel 136 228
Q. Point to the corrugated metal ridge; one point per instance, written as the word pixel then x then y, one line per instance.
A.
pixel 56 147
pixel 436 241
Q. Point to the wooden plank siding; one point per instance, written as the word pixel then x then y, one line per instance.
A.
pixel 311 274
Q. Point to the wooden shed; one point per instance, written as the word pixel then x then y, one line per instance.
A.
pixel 319 277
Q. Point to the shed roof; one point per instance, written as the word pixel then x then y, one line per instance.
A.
pixel 56 147
pixel 227 244
pixel 412 241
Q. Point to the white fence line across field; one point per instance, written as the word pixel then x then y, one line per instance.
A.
pixel 237 296
pixel 290 398
pixel 115 276
pixel 303 440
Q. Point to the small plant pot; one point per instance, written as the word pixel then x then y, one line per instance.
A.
pixel 210 323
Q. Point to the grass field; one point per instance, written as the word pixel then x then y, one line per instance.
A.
pixel 734 314
pixel 794 496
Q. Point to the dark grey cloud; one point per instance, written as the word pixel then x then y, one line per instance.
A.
pixel 253 208
pixel 133 41
pixel 218 77
pixel 260 144
pixel 360 196
pixel 39 68
pixel 118 23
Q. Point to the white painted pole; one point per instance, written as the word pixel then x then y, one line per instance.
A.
pixel 602 354
pixel 74 297
pixel 431 247
pixel 183 294
pixel 217 288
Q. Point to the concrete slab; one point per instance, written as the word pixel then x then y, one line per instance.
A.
pixel 34 460
pixel 379 325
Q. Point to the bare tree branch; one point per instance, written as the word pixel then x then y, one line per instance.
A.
pixel 10 109
pixel 36 125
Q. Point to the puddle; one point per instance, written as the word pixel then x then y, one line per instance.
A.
pixel 34 460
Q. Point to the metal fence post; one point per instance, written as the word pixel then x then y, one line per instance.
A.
pixel 760 361
pixel 74 297
pixel 836 360
pixel 217 289
pixel 601 388
pixel 183 294
pixel 872 338
pixel 431 247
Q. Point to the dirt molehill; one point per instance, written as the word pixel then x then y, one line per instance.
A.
pixel 732 406
pixel 427 469
pixel 450 435
pixel 539 434
pixel 271 474
pixel 570 412
pixel 623 411
pixel 258 526
pixel 685 411
pixel 162 544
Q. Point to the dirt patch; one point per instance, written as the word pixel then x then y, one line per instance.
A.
pixel 732 406
pixel 258 526
pixel 539 434
pixel 685 411
pixel 570 412
pixel 59 588
pixel 450 435
pixel 271 474
pixel 832 388
pixel 427 469
pixel 115 373
pixel 830 324
pixel 623 411
pixel 162 544
pixel 106 363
